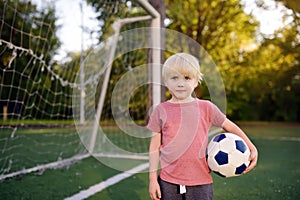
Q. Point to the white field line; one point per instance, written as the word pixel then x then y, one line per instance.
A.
pixel 52 165
pixel 110 155
pixel 105 184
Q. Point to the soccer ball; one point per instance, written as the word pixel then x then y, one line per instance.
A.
pixel 227 155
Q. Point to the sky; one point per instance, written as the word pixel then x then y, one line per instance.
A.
pixel 271 19
pixel 70 17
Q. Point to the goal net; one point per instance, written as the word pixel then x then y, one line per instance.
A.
pixel 95 102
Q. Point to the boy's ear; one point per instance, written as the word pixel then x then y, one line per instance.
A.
pixel 164 81
pixel 196 84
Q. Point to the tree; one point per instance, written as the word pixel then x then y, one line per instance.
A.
pixel 213 24
pixel 275 70
pixel 291 4
pixel 110 11
pixel 26 27
pixel 29 44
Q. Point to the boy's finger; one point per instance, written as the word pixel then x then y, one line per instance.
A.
pixel 159 193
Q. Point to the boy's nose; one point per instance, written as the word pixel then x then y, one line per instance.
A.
pixel 180 83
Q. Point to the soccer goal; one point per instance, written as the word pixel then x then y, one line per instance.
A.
pixel 55 113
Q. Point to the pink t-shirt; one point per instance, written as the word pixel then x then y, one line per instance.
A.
pixel 184 128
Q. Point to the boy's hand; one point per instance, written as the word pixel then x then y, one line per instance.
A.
pixel 154 190
pixel 253 160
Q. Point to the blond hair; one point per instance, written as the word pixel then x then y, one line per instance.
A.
pixel 182 63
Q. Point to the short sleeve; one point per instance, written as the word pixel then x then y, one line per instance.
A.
pixel 155 122
pixel 218 117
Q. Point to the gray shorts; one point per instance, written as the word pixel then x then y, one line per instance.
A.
pixel 170 191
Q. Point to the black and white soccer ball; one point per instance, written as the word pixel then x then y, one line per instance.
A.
pixel 228 155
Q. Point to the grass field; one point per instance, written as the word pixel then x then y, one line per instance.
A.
pixel 277 175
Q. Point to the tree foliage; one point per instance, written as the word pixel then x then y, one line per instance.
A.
pixel 276 64
pixel 261 73
pixel 110 11
pixel 29 43
pixel 214 24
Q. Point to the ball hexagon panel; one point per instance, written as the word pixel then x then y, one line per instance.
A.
pixel 227 170
pixel 212 163
pixel 227 145
pixel 213 148
pixel 236 158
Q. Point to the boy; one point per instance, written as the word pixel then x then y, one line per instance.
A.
pixel 180 135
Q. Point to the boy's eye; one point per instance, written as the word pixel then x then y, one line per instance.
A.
pixel 174 77
pixel 187 78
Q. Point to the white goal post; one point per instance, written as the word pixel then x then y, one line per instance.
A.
pixel 156 55
pixel 156 62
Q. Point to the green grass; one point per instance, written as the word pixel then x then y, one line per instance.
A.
pixel 28 147
pixel 56 184
pixel 277 175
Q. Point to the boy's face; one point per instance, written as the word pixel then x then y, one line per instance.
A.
pixel 181 86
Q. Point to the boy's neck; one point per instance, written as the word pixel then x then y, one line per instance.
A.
pixel 187 100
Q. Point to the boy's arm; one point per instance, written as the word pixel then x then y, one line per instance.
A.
pixel 154 148
pixel 231 127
